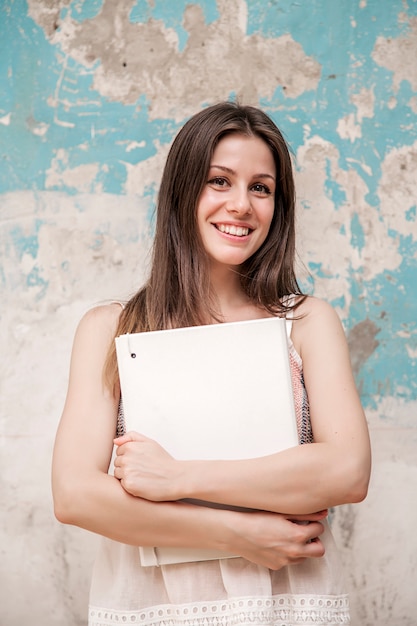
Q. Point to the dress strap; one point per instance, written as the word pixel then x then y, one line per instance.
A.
pixel 121 304
pixel 289 301
pixel 288 324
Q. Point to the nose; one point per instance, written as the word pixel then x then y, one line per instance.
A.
pixel 239 201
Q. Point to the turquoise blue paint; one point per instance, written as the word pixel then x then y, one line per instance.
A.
pixel 330 39
pixel 97 242
pixel 333 190
pixel 171 14
pixel 26 242
pixel 410 215
pixel 140 12
pixel 357 239
pixel 307 284
pixel 339 302
pixel 317 270
pixel 322 24
pixel 85 9
pixel 89 129
pixel 389 301
pixel 35 279
pixel 93 118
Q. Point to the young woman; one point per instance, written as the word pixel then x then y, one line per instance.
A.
pixel 223 251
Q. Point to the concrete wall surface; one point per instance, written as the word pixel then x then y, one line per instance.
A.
pixel 92 93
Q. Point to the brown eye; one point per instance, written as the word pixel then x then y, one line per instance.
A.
pixel 218 181
pixel 261 189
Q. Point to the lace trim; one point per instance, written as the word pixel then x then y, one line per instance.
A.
pixel 282 610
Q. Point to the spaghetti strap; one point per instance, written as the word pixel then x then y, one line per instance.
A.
pixel 121 304
pixel 288 324
pixel 289 301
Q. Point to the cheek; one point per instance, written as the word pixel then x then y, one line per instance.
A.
pixel 268 216
pixel 267 223
pixel 201 207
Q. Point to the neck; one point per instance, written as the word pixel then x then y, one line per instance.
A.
pixel 230 301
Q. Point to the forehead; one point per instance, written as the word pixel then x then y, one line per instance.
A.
pixel 240 148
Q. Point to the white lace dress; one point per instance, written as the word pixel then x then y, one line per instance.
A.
pixel 228 592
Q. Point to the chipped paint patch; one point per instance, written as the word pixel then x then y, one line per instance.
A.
pixel 399 55
pixel 398 200
pixel 348 129
pixel 143 58
pixel 5 119
pixel 81 178
pixel 112 83
pixel 362 343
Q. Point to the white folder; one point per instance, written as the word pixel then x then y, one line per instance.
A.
pixel 220 391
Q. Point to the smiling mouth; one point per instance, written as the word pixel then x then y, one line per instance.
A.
pixel 230 229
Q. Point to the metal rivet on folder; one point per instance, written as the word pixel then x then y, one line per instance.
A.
pixel 133 355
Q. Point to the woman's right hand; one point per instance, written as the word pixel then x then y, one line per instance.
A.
pixel 275 540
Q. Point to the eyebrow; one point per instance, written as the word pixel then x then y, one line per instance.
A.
pixel 223 168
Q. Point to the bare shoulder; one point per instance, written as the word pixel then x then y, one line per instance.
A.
pixel 315 309
pixel 98 326
pixel 90 405
pixel 317 322
pixel 101 318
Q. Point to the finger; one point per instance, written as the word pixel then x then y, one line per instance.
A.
pixel 315 548
pixel 119 451
pixel 305 534
pixel 313 530
pixel 130 436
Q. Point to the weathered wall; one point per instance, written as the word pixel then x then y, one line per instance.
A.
pixel 91 94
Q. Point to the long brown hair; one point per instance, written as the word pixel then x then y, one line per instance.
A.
pixel 177 292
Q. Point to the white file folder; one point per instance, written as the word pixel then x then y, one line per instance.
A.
pixel 220 391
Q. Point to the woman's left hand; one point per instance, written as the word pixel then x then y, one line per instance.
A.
pixel 145 468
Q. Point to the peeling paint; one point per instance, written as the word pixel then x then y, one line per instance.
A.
pixel 399 199
pixel 91 95
pixel 362 343
pixel 348 129
pixel 399 55
pixel 5 119
pixel 143 58
pixel 345 164
pixel 365 103
pixel 82 177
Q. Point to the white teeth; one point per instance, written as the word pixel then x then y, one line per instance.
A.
pixel 239 231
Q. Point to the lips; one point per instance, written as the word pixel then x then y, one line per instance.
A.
pixel 232 229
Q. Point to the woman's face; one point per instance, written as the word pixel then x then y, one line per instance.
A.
pixel 236 207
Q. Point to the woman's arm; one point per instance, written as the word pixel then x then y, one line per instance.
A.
pixel 334 470
pixel 86 496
